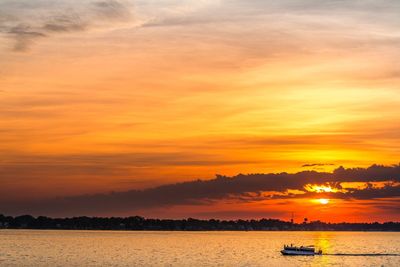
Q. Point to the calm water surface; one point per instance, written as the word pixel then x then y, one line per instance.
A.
pixel 109 248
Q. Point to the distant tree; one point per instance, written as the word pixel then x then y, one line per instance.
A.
pixel 190 224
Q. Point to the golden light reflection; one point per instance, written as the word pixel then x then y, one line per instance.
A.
pixel 320 188
pixel 323 242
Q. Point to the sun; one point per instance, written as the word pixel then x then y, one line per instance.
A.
pixel 323 201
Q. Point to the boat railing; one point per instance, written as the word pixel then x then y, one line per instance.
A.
pixel 301 248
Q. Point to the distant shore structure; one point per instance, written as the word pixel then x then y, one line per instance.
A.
pixel 190 224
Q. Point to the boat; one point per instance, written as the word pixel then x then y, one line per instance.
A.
pixel 302 250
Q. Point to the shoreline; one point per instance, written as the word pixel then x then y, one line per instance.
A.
pixel 137 223
pixel 193 231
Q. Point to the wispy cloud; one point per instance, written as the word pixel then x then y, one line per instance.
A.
pixel 45 18
pixel 27 21
pixel 64 23
pixel 113 9
pixel 24 35
pixel 317 165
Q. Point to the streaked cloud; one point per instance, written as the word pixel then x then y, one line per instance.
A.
pixel 27 21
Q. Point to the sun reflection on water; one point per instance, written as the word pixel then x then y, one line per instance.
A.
pixel 323 242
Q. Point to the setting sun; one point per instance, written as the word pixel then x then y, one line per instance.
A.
pixel 323 201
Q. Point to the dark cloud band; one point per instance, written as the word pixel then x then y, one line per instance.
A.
pixel 199 192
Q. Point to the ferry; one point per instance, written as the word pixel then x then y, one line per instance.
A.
pixel 302 250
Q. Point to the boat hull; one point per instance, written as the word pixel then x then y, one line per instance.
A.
pixel 298 253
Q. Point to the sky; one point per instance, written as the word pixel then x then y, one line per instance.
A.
pixel 209 108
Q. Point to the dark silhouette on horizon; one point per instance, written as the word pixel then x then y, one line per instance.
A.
pixel 221 187
pixel 190 224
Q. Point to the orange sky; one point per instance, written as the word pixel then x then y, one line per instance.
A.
pixel 101 96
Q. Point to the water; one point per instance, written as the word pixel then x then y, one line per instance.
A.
pixel 115 248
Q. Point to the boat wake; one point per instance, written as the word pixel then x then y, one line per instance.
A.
pixel 362 254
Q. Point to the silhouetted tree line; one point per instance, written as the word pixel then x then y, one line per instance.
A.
pixel 140 223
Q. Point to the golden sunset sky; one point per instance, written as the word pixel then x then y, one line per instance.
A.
pixel 100 96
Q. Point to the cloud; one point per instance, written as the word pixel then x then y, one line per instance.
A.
pixel 239 213
pixel 47 18
pixel 27 21
pixel 281 20
pixel 93 172
pixel 317 165
pixel 24 36
pixel 112 9
pixel 64 23
pixel 199 192
pixel 388 191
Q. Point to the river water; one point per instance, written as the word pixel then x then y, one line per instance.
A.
pixel 125 248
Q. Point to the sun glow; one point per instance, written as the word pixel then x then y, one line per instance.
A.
pixel 323 201
pixel 320 188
